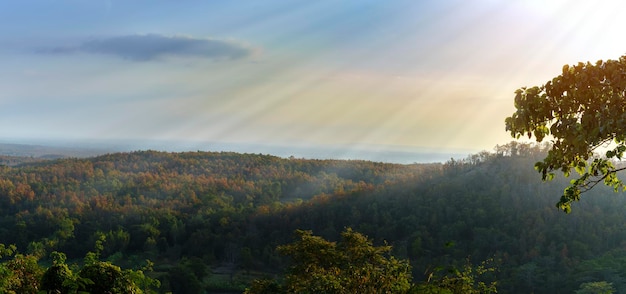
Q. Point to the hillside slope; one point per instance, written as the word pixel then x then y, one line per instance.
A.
pixel 231 210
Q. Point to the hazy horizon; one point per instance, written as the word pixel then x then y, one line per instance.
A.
pixel 389 154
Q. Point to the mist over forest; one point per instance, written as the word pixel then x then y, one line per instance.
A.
pixel 211 221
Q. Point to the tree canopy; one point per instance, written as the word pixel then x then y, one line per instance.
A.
pixel 212 221
pixel 581 112
pixel 352 265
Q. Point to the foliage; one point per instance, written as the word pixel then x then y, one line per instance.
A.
pixel 265 286
pixel 22 274
pixel 227 210
pixel 186 277
pixel 58 278
pixel 464 281
pixel 353 265
pixel 25 274
pixel 602 287
pixel 104 277
pixel 107 278
pixel 143 281
pixel 581 110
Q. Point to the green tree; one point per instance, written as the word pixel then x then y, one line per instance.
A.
pixel 107 278
pixel 246 259
pixel 580 110
pixel 352 265
pixel 58 278
pixel 187 276
pixel 6 274
pixel 458 281
pixel 25 274
pixel 104 277
pixel 146 283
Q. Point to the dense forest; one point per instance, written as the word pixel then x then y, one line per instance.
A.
pixel 211 221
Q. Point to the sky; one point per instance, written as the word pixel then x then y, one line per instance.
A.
pixel 427 75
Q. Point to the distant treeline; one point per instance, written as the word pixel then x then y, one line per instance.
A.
pixel 194 210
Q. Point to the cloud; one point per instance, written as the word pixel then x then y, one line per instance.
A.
pixel 155 46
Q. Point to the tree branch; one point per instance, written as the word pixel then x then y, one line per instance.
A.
pixel 595 182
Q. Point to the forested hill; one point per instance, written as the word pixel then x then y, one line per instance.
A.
pixel 190 212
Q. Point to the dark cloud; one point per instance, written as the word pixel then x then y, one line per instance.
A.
pixel 151 47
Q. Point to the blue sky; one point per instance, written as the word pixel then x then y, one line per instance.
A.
pixel 429 74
